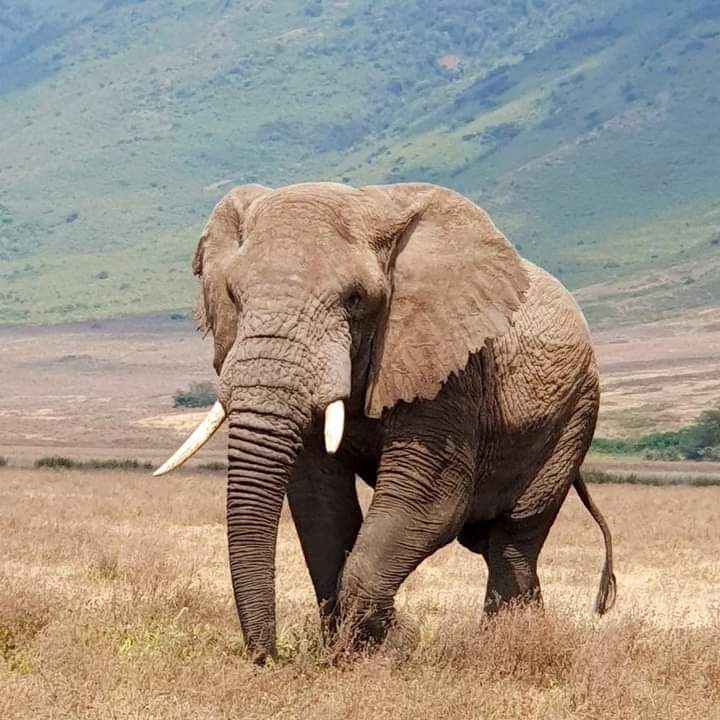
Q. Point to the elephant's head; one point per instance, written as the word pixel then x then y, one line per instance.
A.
pixel 324 299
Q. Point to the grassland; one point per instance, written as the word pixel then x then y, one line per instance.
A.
pixel 115 602
pixel 588 130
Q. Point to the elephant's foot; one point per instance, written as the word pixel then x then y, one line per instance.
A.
pixel 398 636
pixel 512 555
pixel 367 630
pixel 356 626
pixel 261 656
pixel 260 646
pixel 496 602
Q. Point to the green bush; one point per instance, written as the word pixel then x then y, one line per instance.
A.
pixel 652 443
pixel 699 441
pixel 3 461
pixel 199 395
pixel 614 446
pixel 703 437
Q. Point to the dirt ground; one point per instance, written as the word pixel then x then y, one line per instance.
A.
pixel 101 389
pixel 115 602
pixel 105 389
pixel 658 376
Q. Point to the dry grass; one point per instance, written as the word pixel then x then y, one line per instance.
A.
pixel 115 602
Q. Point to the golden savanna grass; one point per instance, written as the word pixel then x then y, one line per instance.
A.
pixel 115 602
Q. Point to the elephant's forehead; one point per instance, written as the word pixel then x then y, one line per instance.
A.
pixel 302 215
pixel 300 224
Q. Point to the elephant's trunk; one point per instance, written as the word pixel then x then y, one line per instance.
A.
pixel 261 455
pixel 274 396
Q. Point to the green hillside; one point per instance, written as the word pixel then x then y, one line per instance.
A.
pixel 591 132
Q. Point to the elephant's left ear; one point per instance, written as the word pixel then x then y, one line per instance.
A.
pixel 456 283
pixel 216 253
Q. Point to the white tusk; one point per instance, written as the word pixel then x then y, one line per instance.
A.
pixel 202 433
pixel 334 425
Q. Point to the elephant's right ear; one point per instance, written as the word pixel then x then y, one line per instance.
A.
pixel 456 283
pixel 218 245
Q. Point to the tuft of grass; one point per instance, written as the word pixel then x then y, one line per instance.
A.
pixel 56 462
pixel 20 623
pixel 214 466
pixel 60 462
pixel 106 566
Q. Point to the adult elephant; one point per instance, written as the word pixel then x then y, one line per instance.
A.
pixel 453 376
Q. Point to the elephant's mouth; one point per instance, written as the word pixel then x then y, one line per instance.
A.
pixel 334 429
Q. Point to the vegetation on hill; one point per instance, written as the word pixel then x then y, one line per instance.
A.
pixel 699 441
pixel 587 129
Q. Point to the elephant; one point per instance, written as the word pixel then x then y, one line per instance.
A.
pixel 393 333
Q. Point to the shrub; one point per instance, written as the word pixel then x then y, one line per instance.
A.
pixel 702 436
pixel 56 462
pixel 213 466
pixel 600 477
pixel 699 441
pixel 59 462
pixel 3 461
pixel 126 464
pixel 197 396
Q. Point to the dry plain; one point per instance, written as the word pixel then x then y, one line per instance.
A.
pixel 115 602
pixel 105 388
pixel 115 598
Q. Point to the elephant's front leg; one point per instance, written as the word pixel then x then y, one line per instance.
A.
pixel 420 503
pixel 324 505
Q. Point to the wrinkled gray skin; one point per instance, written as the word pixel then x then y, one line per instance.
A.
pixel 469 380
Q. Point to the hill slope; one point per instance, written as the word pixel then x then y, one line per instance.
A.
pixel 591 135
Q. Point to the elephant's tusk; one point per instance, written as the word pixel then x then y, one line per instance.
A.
pixel 334 425
pixel 202 433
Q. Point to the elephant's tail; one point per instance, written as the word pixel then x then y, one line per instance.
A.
pixel 608 585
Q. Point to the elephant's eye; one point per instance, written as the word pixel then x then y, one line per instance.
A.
pixel 353 301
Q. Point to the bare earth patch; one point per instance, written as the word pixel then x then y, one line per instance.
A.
pixel 115 601
pixel 102 389
pixel 658 376
pixel 105 389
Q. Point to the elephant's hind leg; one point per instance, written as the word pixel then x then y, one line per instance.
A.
pixel 511 555
pixel 515 540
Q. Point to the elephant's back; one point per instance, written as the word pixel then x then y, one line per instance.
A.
pixel 550 311
pixel 547 358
